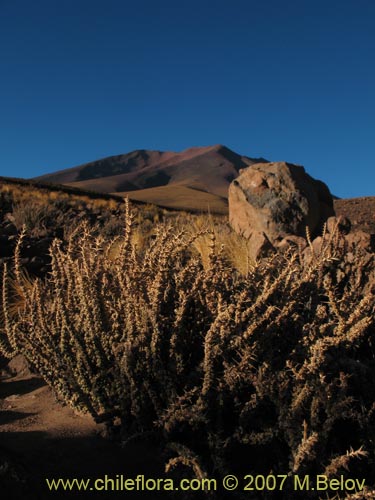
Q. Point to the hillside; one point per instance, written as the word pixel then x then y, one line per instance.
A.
pixel 189 176
pixel 176 196
pixel 360 211
pixel 196 179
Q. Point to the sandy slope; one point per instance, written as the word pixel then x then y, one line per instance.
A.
pixel 180 198
pixel 360 211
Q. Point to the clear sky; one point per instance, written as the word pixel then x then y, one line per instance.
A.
pixel 289 80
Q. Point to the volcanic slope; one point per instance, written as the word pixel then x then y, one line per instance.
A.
pixel 194 179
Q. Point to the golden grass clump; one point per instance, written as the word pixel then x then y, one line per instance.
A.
pixel 269 371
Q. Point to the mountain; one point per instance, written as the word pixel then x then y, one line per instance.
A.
pixel 196 178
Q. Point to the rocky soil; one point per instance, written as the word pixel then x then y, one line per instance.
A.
pixel 360 211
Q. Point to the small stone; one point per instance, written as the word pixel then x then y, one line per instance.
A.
pixel 342 224
pixel 259 246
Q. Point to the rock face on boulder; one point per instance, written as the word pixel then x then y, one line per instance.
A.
pixel 272 201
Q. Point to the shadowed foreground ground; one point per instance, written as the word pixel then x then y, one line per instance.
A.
pixel 40 438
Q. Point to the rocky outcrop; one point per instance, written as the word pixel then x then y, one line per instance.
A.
pixel 274 201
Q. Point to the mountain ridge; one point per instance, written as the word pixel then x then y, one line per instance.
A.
pixel 209 169
pixel 196 179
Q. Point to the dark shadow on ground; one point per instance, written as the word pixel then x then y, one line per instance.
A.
pixel 6 417
pixel 20 387
pixel 35 457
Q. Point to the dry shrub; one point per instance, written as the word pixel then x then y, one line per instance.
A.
pixel 272 372
pixel 38 216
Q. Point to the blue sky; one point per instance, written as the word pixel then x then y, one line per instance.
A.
pixel 289 80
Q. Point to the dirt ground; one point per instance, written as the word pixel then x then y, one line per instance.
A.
pixel 360 211
pixel 42 439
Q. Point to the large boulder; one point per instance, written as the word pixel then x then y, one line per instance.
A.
pixel 278 200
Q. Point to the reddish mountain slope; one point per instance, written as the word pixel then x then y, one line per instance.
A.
pixel 194 179
pixel 360 211
pixel 208 169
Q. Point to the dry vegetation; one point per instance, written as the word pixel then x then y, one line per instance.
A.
pixel 235 366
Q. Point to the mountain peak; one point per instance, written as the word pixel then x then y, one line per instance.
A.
pixel 207 169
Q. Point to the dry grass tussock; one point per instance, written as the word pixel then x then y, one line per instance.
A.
pixel 268 371
pixel 234 247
